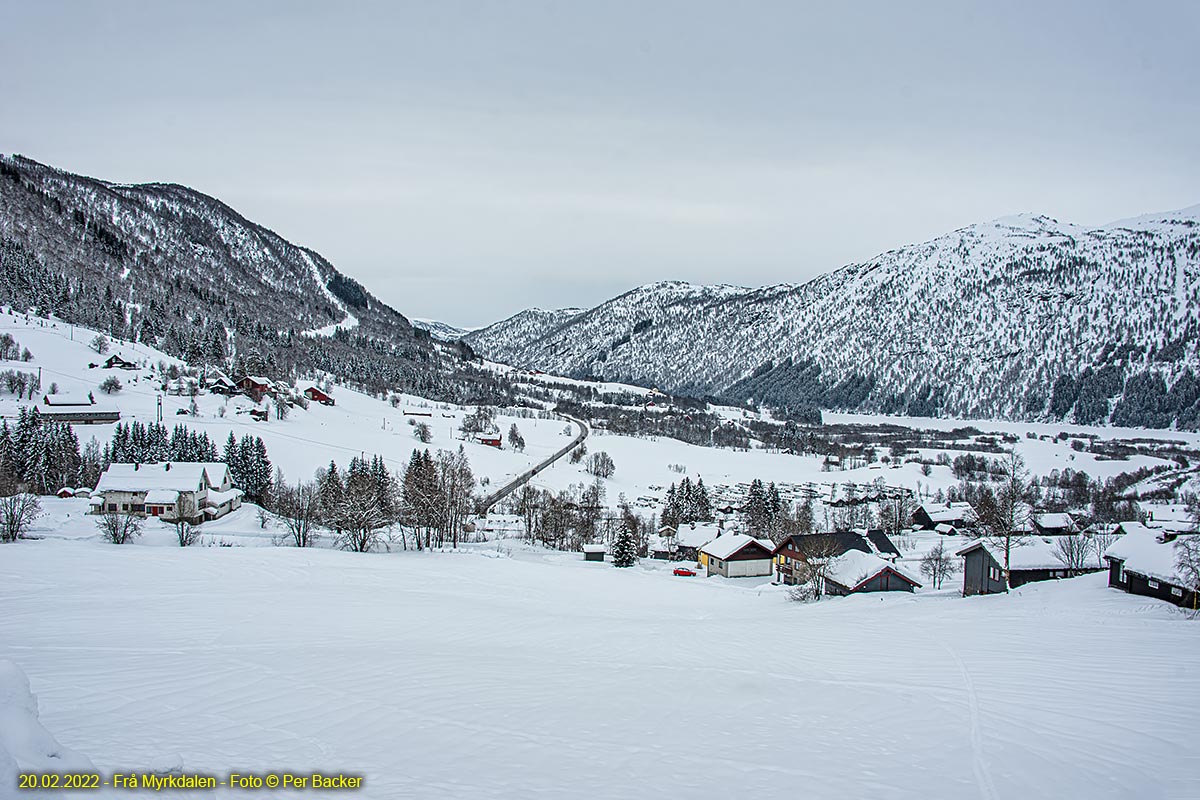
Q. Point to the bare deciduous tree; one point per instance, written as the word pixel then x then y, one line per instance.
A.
pixel 299 507
pixel 938 565
pixel 119 528
pixel 819 551
pixel 17 513
pixel 1074 551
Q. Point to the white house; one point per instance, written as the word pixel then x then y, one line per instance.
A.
pixel 191 491
pixel 737 555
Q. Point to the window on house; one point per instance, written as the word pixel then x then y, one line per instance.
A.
pixel 1176 591
pixel 1120 572
pixel 1152 584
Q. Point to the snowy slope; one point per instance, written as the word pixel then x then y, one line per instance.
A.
pixel 536 674
pixel 982 322
pixel 503 340
pixel 440 330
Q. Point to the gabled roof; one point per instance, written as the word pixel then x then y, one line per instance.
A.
pixel 821 545
pixel 183 476
pixel 951 512
pixel 881 543
pixel 697 534
pixel 1143 552
pixel 854 568
pixel 1054 521
pixel 732 543
pixel 67 399
pixel 1025 552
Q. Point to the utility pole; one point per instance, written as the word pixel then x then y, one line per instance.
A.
pixel 160 409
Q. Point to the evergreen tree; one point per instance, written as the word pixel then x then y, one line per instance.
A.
pixel 624 551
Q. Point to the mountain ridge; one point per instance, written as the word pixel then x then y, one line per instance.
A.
pixel 1010 318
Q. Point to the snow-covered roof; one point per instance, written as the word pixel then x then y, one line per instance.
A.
pixel 218 471
pixel 179 476
pixel 96 500
pixel 594 548
pixel 259 379
pixel 1143 552
pixel 66 399
pixel 216 498
pixel 854 567
pixel 1055 521
pixel 162 496
pixel 696 535
pixel 944 528
pixel 730 543
pixel 1025 552
pixel 951 512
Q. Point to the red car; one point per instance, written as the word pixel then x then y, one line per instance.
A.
pixel 685 572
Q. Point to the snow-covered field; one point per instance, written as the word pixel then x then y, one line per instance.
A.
pixel 509 672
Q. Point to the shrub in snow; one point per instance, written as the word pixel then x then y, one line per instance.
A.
pixel 110 385
pixel 99 344
pixel 119 528
pixel 17 513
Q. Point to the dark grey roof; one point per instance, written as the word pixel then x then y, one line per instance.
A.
pixel 882 543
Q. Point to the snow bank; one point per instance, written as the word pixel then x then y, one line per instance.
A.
pixel 24 744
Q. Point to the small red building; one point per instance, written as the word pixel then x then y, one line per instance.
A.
pixel 490 439
pixel 254 386
pixel 317 396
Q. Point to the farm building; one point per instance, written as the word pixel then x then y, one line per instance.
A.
pixel 1031 559
pixel 737 555
pixel 957 515
pixel 489 439
pixel 78 409
pixel 594 552
pixel 1144 561
pixel 855 571
pixel 317 396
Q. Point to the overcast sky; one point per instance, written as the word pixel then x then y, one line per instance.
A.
pixel 468 160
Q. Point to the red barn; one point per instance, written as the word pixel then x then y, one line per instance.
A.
pixel 490 439
pixel 317 396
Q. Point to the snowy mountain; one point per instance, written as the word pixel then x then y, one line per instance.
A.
pixel 1021 318
pixel 442 331
pixel 503 341
pixel 169 266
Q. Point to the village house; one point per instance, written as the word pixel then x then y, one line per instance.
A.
pixel 683 543
pixel 956 515
pixel 489 439
pixel 181 490
pixel 1031 559
pixel 317 396
pixel 217 383
pixel 116 362
pixel 594 552
pixel 737 555
pixel 1053 524
pixel 855 571
pixel 255 386
pixel 1144 561
pixel 792 555
pixel 854 561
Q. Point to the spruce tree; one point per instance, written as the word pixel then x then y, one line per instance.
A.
pixel 624 551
